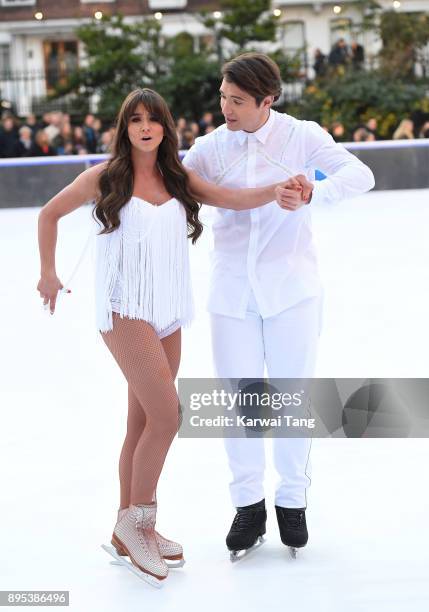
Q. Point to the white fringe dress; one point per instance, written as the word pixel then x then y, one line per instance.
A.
pixel 142 268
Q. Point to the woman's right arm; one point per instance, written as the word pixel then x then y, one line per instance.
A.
pixel 83 189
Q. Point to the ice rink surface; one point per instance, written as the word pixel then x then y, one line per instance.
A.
pixel 63 419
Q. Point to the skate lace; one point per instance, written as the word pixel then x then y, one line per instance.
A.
pixel 294 518
pixel 242 520
pixel 145 537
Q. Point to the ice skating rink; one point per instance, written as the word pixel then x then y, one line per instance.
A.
pixel 63 419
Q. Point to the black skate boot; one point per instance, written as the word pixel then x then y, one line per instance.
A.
pixel 247 529
pixel 293 528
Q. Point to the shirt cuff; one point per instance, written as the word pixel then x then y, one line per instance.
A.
pixel 318 193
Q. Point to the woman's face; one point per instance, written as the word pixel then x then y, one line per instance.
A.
pixel 144 130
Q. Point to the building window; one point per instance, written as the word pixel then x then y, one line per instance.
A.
pixel 292 36
pixel 61 59
pixel 340 28
pixel 4 59
pixel 167 4
pixel 12 3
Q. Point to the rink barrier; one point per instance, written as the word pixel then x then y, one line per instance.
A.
pixel 32 181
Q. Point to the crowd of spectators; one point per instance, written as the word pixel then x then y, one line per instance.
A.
pixel 341 54
pixel 54 134
pixel 368 131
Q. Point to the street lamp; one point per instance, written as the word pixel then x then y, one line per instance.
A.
pixel 217 17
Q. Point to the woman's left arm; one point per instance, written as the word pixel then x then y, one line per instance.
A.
pixel 224 197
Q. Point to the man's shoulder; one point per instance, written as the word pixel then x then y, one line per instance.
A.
pixel 301 125
pixel 285 121
pixel 207 141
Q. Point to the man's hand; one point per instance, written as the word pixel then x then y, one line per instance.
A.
pixel 294 193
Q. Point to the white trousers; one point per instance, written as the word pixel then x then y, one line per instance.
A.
pixel 287 344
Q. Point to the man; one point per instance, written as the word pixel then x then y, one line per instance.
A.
pixel 339 54
pixel 265 293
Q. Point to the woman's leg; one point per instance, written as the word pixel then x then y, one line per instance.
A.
pixel 137 419
pixel 141 356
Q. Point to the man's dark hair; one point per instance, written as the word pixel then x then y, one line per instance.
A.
pixel 254 73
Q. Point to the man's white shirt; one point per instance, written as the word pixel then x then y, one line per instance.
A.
pixel 270 250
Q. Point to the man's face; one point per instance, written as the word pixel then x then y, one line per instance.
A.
pixel 240 109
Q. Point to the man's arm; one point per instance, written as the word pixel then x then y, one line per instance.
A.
pixel 193 160
pixel 234 199
pixel 346 175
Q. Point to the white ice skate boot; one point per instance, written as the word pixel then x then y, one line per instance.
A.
pixel 134 536
pixel 170 551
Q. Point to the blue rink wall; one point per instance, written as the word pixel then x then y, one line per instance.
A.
pixel 33 181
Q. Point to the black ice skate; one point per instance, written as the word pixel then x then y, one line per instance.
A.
pixel 247 530
pixel 293 528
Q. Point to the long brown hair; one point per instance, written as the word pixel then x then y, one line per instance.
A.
pixel 116 181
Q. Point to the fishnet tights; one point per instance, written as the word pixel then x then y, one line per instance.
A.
pixel 150 366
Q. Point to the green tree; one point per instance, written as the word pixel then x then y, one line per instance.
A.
pixel 403 36
pixel 120 58
pixel 244 22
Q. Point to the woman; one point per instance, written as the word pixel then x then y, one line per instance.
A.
pixel 147 205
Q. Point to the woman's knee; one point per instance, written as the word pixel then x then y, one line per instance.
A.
pixel 166 422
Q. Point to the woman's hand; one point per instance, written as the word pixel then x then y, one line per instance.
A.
pixel 294 193
pixel 48 287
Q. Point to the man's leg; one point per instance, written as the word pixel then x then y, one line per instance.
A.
pixel 238 352
pixel 291 341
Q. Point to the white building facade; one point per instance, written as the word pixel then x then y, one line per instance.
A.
pixel 39 47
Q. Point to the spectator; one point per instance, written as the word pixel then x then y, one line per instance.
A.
pixel 320 64
pixel 25 141
pixel 338 131
pixel 31 122
pixel 181 125
pixel 195 128
pixel 90 135
pixel 372 127
pixel 105 142
pixel 206 121
pixel 210 128
pixel 363 135
pixel 53 129
pixel 41 146
pixel 357 55
pixel 404 130
pixel 9 138
pixel 339 55
pixel 79 141
pixel 424 132
pixel 63 142
pixel 188 139
pixel 46 120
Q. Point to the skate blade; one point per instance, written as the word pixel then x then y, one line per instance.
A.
pixel 293 551
pixel 172 563
pixel 155 582
pixel 177 563
pixel 237 555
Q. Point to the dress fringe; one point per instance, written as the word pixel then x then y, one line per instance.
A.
pixel 150 264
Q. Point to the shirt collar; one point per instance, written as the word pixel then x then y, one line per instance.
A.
pixel 261 134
